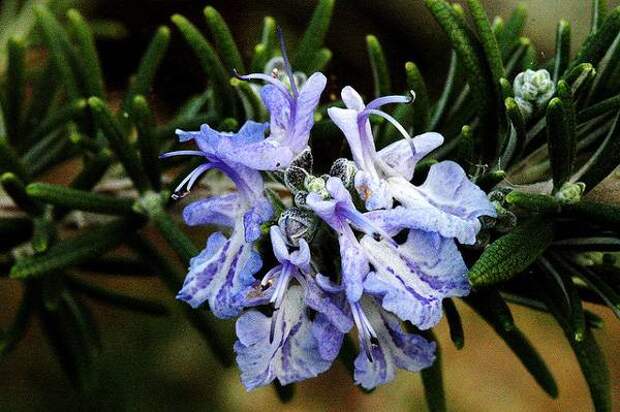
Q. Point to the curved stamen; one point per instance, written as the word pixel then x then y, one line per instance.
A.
pixel 287 64
pixel 397 125
pixel 178 194
pixel 182 153
pixel 266 78
pixel 364 224
pixel 380 101
pixel 367 334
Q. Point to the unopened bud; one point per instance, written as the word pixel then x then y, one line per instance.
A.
pixel 570 193
pixel 345 170
pixel 297 224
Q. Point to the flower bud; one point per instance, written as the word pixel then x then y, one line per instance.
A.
pixel 533 89
pixel 570 193
pixel 297 224
pixel 316 185
pixel 345 170
pixel 304 160
pixel 295 178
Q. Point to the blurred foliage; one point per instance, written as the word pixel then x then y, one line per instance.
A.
pixel 549 250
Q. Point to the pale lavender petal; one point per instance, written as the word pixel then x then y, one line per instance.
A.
pixel 374 191
pixel 217 210
pixel 255 217
pixel 448 203
pixel 306 104
pixel 346 120
pixel 301 257
pixel 269 154
pixel 352 99
pixel 293 354
pixel 251 132
pixel 279 106
pixel 402 159
pixel 278 244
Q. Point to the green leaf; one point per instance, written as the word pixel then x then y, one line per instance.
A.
pixel 562 281
pixel 15 88
pixel 432 379
pixel 561 136
pixel 10 161
pixel 606 71
pixel 44 89
pixel 378 65
pixel 513 65
pixel 454 322
pixel 513 29
pixel 311 42
pixel 93 76
pixel 172 280
pixel 596 44
pixel 78 249
pixel 486 37
pixel 533 202
pixel 604 160
pixel 118 141
pixel 252 104
pixel 599 13
pixel 224 40
pixel 421 105
pixel 67 332
pixel 177 239
pixel 15 188
pixel 512 253
pixel 44 234
pixel 321 60
pixel 605 106
pixel 210 62
pixel 56 39
pixel 598 285
pixel 562 49
pixel 515 145
pixel 63 196
pixel 478 76
pixel 590 358
pixel 109 297
pixel 605 215
pixel 266 48
pixel 492 308
pixel 147 141
pixel 506 88
pixel 584 244
pixel 58 119
pixel 151 60
pixel 446 94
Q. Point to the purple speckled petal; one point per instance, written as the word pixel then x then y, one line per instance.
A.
pixel 396 348
pixel 329 337
pixel 293 354
pixel 279 106
pixel 221 273
pixel 255 217
pixel 354 267
pixel 270 154
pixel 400 157
pixel 412 279
pixel 214 210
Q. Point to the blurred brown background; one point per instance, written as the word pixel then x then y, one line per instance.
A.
pixel 162 364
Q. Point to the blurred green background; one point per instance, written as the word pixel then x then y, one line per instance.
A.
pixel 161 364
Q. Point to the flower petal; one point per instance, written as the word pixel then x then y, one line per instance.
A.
pixel 221 274
pixel 329 337
pixel 352 99
pixel 374 191
pixel 396 348
pixel 293 354
pixel 217 210
pixel 306 104
pixel 400 157
pixel 448 203
pixel 412 282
